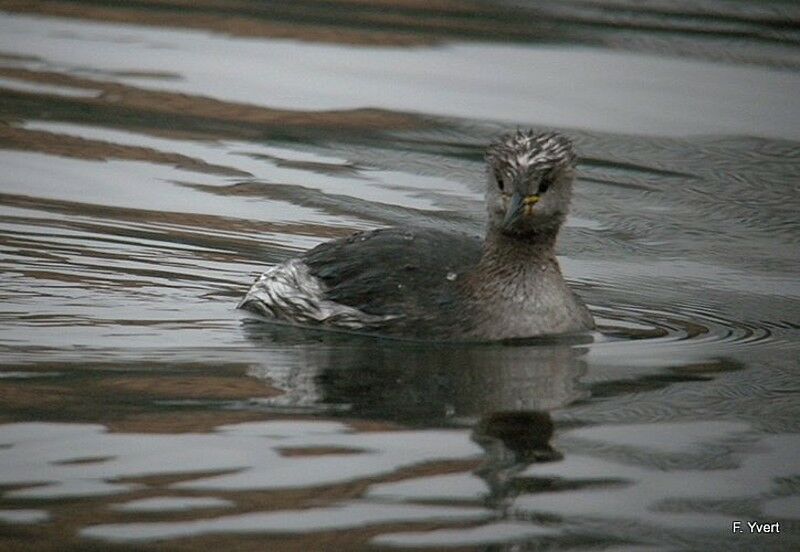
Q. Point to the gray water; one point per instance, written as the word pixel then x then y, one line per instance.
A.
pixel 156 158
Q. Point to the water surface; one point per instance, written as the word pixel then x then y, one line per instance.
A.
pixel 157 157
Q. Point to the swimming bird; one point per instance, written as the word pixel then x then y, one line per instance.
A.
pixel 430 284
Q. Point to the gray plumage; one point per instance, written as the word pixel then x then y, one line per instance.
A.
pixel 435 285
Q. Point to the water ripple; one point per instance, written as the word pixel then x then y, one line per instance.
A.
pixel 693 326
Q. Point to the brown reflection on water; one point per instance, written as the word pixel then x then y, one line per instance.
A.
pixel 61 532
pixel 118 100
pixel 121 398
pixel 181 221
pixel 273 21
pixel 81 148
pixel 68 516
pixel 749 32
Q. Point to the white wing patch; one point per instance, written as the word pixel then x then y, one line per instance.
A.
pixel 289 292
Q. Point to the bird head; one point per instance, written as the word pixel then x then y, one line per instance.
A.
pixel 529 182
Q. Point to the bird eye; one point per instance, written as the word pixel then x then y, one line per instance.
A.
pixel 499 177
pixel 544 185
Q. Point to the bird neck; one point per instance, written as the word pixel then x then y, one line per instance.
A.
pixel 516 283
pixel 507 251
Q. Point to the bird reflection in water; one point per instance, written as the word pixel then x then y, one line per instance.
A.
pixel 512 440
pixel 416 383
pixel 502 392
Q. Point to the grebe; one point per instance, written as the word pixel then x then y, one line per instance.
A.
pixel 430 284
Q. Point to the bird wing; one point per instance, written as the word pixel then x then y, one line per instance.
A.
pixel 413 273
